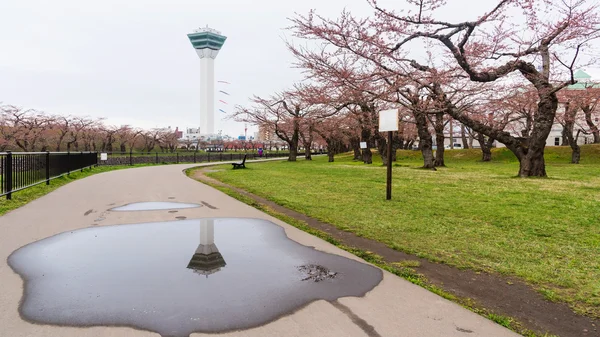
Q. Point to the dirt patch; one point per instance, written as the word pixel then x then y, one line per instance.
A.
pixel 316 273
pixel 503 295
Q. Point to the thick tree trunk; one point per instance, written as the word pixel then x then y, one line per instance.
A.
pixel 533 163
pixel 307 152
pixel 439 140
pixel 425 140
pixel 486 151
pixel 293 142
pixel 382 149
pixel 367 156
pixel 332 148
pixel 293 151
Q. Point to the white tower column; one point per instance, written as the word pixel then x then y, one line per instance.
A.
pixel 207 232
pixel 207 95
pixel 207 42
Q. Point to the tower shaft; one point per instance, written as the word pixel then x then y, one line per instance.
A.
pixel 207 94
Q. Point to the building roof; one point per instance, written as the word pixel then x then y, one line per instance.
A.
pixel 580 75
pixel 583 81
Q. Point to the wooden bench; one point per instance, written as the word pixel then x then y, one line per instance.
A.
pixel 240 165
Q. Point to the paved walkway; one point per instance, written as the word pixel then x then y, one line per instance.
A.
pixel 394 308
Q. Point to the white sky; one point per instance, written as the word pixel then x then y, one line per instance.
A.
pixel 132 63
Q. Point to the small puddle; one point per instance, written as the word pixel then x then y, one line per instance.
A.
pixel 154 206
pixel 180 277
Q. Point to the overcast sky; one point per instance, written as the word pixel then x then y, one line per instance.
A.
pixel 132 63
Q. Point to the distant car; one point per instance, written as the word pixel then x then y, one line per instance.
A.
pixel 457 146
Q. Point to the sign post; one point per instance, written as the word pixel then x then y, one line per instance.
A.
pixel 388 121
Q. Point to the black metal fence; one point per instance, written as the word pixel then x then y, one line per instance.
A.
pixel 132 158
pixel 21 170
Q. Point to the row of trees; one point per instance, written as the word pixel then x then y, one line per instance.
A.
pixel 505 76
pixel 31 130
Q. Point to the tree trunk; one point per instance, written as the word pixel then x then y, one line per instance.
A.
pixel 463 135
pixel 533 163
pixel 382 149
pixel 564 136
pixel 425 140
pixel 439 139
pixel 367 155
pixel 575 149
pixel 331 148
pixel 293 143
pixel 307 152
pixel 569 120
pixel 355 144
pixel 593 128
pixel 486 151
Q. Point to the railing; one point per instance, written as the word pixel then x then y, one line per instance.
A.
pixel 133 158
pixel 21 170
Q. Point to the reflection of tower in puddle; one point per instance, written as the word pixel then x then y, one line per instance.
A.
pixel 207 259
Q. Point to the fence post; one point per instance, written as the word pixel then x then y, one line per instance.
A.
pixel 156 153
pixel 68 162
pixel 47 167
pixel 8 175
pixel 194 157
pixel 208 157
pixel 130 158
pixel 220 156
pixel 81 160
pixel 177 157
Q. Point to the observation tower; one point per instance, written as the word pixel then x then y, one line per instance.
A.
pixel 207 43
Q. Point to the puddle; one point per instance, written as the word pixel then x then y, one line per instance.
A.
pixel 180 277
pixel 154 206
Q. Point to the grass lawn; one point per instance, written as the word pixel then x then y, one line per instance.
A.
pixel 471 214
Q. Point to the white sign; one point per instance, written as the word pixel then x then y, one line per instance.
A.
pixel 388 120
pixel 103 156
pixel 363 145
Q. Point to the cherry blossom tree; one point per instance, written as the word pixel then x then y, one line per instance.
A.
pixel 486 49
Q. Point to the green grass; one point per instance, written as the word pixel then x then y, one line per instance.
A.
pixel 470 215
